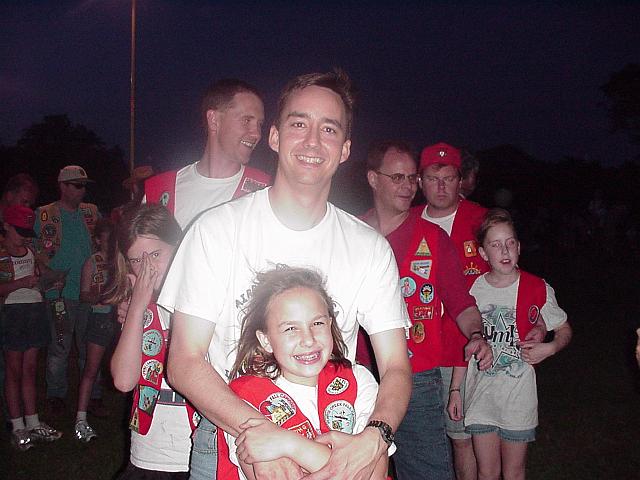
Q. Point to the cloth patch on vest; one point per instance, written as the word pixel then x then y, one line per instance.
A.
pixel 250 185
pixel 56 219
pixel 195 418
pixel 426 293
pixel 534 313
pixel 470 249
pixel 44 216
pixel 340 416
pixel 471 269
pixel 147 316
pixel 407 286
pixel 148 399
pixel 305 429
pixel 423 249
pixel 164 199
pixel 134 423
pixel 151 371
pixel 423 312
pixel 278 407
pixel 49 230
pixel 338 386
pixel 151 343
pixel 417 332
pixel 422 268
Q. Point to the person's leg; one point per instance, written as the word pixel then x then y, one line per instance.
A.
pixel 423 446
pixel 58 354
pixel 487 450
pixel 89 374
pixel 29 365
pixel 204 454
pixel 514 459
pixel 13 382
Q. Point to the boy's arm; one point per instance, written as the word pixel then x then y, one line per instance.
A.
pixel 533 352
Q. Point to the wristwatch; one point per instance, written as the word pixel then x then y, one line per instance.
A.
pixel 478 332
pixel 384 429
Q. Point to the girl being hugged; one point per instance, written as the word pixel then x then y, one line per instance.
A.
pixel 293 370
pixel 100 324
pixel 501 403
pixel 161 420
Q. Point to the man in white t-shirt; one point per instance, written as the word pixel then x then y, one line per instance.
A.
pixel 233 114
pixel 211 277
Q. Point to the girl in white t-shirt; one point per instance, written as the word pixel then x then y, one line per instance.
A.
pixel 161 426
pixel 501 403
pixel 293 370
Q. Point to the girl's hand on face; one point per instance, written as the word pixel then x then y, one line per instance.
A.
pixel 261 441
pixel 144 283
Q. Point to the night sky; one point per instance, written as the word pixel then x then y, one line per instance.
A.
pixel 474 76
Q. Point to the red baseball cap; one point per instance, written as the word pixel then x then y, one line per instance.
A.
pixel 21 218
pixel 440 153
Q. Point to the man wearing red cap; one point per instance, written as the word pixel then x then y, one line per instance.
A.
pixel 430 276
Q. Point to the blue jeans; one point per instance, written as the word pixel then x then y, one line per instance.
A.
pixel 58 353
pixel 204 453
pixel 423 447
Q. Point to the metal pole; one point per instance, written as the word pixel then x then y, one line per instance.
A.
pixel 132 100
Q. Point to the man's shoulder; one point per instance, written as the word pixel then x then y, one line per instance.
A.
pixel 471 208
pixel 235 211
pixel 353 224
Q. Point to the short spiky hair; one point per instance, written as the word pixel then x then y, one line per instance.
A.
pixel 378 150
pixel 337 81
pixel 220 94
pixel 495 216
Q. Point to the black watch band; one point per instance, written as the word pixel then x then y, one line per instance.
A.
pixel 384 429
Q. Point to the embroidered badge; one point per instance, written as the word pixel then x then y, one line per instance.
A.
pixel 147 317
pixel 338 386
pixel 55 219
pixel 422 268
pixel 340 416
pixel 99 258
pixel 151 343
pixel 134 424
pixel 250 185
pixel 471 269
pixel 49 230
pixel 407 286
pixel 278 407
pixel 98 278
pixel 470 249
pixel 423 312
pixel 426 293
pixel 534 313
pixel 423 249
pixel 305 428
pixel 151 371
pixel 164 199
pixel 417 332
pixel 195 418
pixel 86 212
pixel 148 399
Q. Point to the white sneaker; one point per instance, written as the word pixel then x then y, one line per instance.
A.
pixel 84 432
pixel 21 440
pixel 44 433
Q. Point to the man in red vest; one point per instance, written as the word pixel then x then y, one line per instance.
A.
pixel 430 276
pixel 441 182
pixel 233 114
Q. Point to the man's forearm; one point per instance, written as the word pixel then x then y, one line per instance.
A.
pixel 393 396
pixel 469 321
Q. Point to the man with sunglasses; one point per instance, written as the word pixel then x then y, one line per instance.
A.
pixel 65 230
pixel 430 274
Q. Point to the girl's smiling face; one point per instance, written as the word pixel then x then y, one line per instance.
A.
pixel 159 253
pixel 501 249
pixel 298 333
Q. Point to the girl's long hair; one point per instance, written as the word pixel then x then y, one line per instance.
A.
pixel 252 358
pixel 145 220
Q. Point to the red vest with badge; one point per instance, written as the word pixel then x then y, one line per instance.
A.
pixel 337 391
pixel 154 354
pixel 51 227
pixel 468 219
pixel 418 267
pixel 161 188
pixel 532 295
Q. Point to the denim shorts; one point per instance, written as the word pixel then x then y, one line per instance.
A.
pixel 100 328
pixel 24 326
pixel 455 429
pixel 506 435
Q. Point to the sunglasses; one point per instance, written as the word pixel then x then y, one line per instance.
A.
pixel 79 186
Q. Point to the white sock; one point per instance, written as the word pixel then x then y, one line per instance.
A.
pixel 32 420
pixel 81 416
pixel 17 424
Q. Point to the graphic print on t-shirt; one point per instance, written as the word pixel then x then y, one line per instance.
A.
pixel 499 323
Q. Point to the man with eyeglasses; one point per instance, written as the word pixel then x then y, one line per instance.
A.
pixel 65 230
pixel 430 275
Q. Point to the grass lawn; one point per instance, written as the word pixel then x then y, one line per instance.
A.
pixel 589 394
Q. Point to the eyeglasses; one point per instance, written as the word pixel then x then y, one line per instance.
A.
pixel 79 186
pixel 437 180
pixel 509 244
pixel 398 178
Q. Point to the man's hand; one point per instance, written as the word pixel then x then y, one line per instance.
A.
pixel 262 441
pixel 535 352
pixel 281 469
pixel 537 332
pixel 353 457
pixel 479 347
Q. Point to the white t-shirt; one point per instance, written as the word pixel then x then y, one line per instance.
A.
pixel 23 267
pixel 196 193
pixel 167 444
pixel 213 271
pixel 306 399
pixel 505 395
pixel 445 223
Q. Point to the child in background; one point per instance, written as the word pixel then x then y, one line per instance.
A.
pixel 23 327
pixel 291 358
pixel 501 403
pixel 161 420
pixel 100 324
